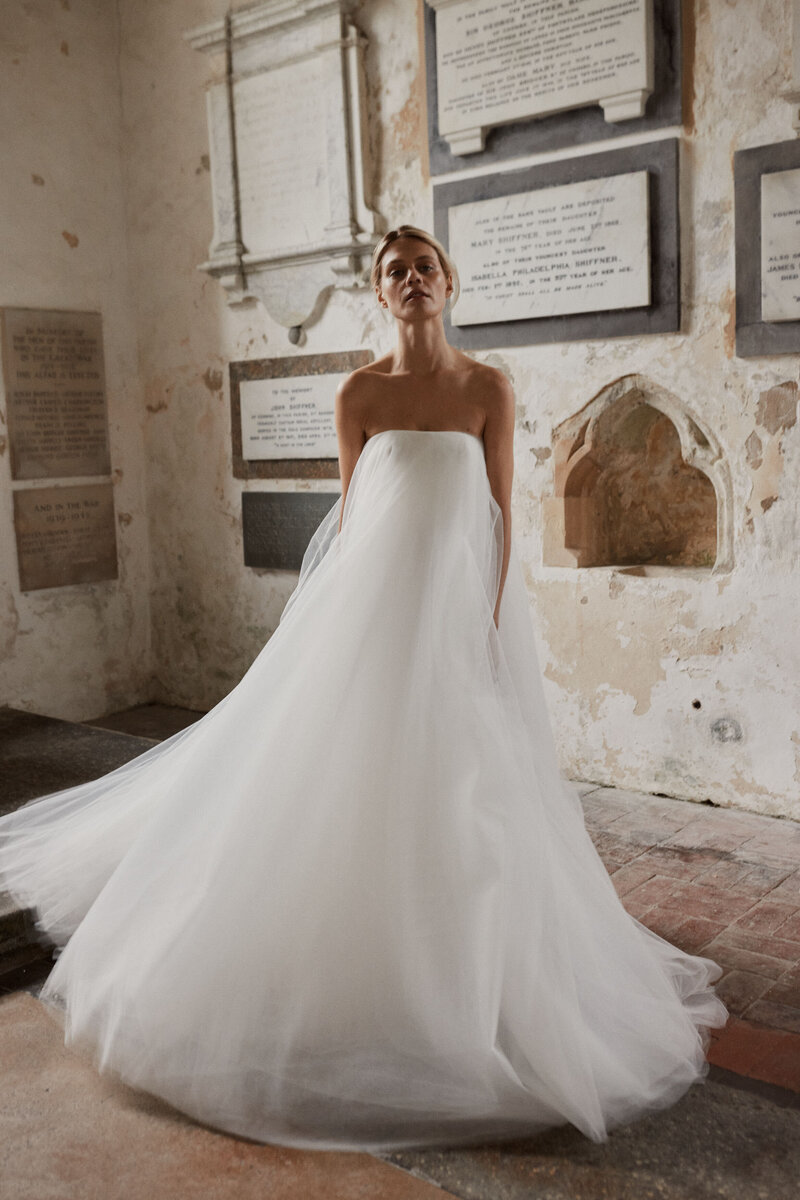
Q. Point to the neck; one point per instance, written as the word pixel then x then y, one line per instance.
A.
pixel 422 347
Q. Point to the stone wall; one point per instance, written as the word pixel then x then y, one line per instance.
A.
pixel 73 651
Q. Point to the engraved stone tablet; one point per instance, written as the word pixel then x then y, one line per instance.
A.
pixel 289 418
pixel 277 526
pixel 55 392
pixel 499 61
pixel 780 246
pixel 65 535
pixel 582 247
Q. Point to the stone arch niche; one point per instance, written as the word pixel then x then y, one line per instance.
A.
pixel 640 482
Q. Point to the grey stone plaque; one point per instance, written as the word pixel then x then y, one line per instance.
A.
pixel 55 393
pixel 659 160
pixel 755 335
pixel 262 424
pixel 277 526
pixel 572 127
pixel 65 535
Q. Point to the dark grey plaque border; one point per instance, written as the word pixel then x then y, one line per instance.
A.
pixel 753 336
pixel 262 512
pixel 577 126
pixel 662 315
pixel 285 368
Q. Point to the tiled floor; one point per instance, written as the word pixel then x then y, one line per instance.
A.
pixel 725 884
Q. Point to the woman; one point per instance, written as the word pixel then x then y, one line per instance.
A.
pixel 355 906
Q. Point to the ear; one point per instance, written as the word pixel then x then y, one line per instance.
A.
pixel 449 289
pixel 381 300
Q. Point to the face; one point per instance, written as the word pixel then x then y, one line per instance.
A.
pixel 413 283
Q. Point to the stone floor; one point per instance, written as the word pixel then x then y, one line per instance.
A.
pixel 715 881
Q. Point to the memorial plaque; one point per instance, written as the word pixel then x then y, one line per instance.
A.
pixel 767 246
pixel 65 535
pixel 280 144
pixel 567 127
pixel 582 247
pixel 289 418
pixel 517 236
pixel 780 246
pixel 282 414
pixel 277 526
pixel 499 61
pixel 55 393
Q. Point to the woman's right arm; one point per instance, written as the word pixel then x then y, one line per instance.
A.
pixel 349 410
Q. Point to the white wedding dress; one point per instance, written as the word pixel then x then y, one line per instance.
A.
pixel 355 905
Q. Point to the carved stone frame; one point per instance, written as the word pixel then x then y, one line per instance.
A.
pixel 292 285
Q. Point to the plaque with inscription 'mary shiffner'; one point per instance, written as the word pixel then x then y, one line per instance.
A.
pixel 55 393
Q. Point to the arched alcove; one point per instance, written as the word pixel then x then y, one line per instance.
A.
pixel 639 481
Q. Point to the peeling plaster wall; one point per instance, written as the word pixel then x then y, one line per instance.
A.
pixel 678 681
pixel 73 652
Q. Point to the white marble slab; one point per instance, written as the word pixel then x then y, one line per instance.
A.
pixel 507 60
pixel 289 418
pixel 577 248
pixel 780 246
pixel 280 149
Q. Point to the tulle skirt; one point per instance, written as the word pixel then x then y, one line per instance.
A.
pixel 355 906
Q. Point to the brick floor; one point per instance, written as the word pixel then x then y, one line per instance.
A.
pixel 724 884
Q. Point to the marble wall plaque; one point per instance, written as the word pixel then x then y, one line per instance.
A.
pixel 289 418
pixel 280 144
pixel 659 162
pixel 780 246
pixel 55 393
pixel 582 247
pixel 299 439
pixel 767 312
pixel 498 61
pixel 277 526
pixel 65 535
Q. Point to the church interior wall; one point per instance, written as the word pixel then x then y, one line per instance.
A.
pixel 76 651
pixel 675 679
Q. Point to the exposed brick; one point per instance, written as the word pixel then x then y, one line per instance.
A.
pixel 743 878
pixel 767 917
pixel 615 849
pixel 629 876
pixel 739 989
pixel 702 833
pixel 788 891
pixel 695 933
pixel 768 1054
pixel 777 1016
pixel 746 960
pixel 712 903
pixel 658 889
pixel 774 946
pixel 786 990
pixel 679 862
pixel 790 928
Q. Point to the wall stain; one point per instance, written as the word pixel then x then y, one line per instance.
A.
pixel 70 238
pixel 777 407
pixel 65 49
pixel 753 448
pixel 213 379
pixel 37 179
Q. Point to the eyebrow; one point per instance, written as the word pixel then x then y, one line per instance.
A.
pixel 399 260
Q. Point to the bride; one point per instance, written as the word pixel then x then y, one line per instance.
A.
pixel 355 906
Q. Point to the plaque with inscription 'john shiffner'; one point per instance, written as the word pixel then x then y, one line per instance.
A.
pixel 55 393
pixel 65 535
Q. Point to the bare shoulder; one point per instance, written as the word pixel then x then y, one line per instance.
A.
pixel 361 383
pixel 494 390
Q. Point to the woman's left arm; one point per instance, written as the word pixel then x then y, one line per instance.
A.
pixel 498 441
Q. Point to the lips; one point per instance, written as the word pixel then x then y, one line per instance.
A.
pixel 417 294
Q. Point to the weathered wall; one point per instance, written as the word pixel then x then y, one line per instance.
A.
pixel 677 680
pixel 75 651
pixel 627 658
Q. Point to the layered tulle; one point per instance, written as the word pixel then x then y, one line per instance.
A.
pixel 355 905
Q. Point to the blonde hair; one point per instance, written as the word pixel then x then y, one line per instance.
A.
pixel 411 231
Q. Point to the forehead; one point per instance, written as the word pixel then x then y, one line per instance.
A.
pixel 405 249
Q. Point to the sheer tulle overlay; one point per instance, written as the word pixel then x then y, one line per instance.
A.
pixel 355 905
